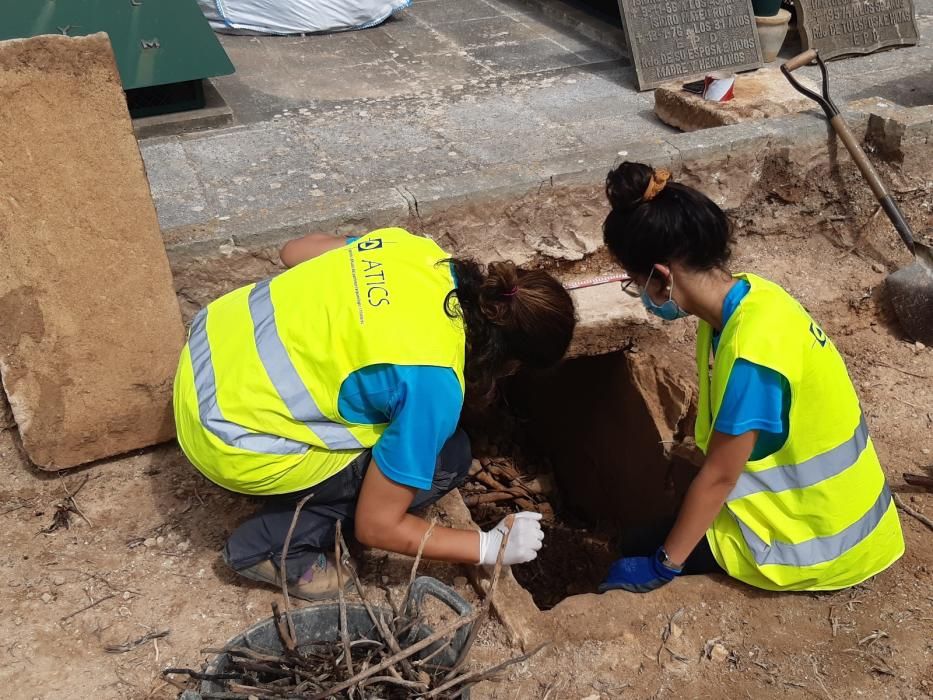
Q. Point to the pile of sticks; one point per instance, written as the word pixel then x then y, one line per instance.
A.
pixel 495 480
pixel 387 667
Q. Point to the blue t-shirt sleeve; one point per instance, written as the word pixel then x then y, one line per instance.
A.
pixel 756 398
pixel 424 414
pixel 421 404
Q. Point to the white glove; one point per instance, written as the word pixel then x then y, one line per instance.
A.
pixel 524 542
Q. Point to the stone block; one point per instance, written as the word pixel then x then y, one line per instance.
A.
pixel 760 95
pixel 903 135
pixel 606 317
pixel 90 328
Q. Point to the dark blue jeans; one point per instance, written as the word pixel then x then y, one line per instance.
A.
pixel 262 535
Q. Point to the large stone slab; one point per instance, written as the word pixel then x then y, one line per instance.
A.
pixel 90 327
pixel 680 39
pixel 760 95
pixel 840 27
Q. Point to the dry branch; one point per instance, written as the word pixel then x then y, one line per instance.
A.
pixel 911 512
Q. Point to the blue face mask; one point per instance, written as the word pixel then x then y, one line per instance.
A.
pixel 669 310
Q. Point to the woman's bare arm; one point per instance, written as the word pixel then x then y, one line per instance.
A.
pixel 382 520
pixel 725 461
pixel 309 246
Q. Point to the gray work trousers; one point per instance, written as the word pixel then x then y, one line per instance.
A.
pixel 262 535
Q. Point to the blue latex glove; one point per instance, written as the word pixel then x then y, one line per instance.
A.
pixel 639 574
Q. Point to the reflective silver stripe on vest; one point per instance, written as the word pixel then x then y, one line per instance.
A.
pixel 819 549
pixel 807 473
pixel 285 377
pixel 209 412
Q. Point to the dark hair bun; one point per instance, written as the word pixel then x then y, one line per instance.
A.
pixel 511 314
pixel 498 291
pixel 626 185
pixel 677 223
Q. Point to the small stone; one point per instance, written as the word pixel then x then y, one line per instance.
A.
pixel 47 597
pixel 149 542
pixel 925 450
pixel 718 654
pixel 58 580
pixel 127 595
pixel 676 630
pixel 184 546
pixel 760 95
pixel 919 345
pixel 160 539
pixel 460 581
pixel 877 267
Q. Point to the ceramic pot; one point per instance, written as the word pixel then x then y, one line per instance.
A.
pixel 771 33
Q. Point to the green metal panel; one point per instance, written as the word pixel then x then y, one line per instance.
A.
pixel 155 41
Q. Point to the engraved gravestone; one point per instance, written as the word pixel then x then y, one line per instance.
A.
pixel 677 39
pixel 839 27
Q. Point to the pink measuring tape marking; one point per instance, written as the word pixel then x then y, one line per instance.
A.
pixel 596 281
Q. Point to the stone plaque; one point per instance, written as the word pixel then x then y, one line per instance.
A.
pixel 678 39
pixel 839 27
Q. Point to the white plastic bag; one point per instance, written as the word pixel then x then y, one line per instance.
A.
pixel 296 16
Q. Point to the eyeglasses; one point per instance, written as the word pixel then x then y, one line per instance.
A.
pixel 627 288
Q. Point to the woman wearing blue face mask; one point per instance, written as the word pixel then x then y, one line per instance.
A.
pixel 791 495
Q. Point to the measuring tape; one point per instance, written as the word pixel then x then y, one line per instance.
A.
pixel 596 281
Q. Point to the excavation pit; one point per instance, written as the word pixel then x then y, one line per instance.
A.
pixel 595 447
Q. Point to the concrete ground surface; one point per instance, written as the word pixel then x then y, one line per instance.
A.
pixel 450 97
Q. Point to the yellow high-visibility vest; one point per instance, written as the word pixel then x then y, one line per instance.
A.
pixel 258 382
pixel 817 514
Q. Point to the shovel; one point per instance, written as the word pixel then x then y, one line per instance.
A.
pixel 910 289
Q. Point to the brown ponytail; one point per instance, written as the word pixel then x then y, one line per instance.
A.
pixel 510 315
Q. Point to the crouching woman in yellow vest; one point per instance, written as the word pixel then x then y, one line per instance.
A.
pixel 344 377
pixel 791 495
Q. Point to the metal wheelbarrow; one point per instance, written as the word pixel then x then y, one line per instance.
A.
pixel 909 289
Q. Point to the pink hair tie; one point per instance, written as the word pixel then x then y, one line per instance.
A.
pixel 511 293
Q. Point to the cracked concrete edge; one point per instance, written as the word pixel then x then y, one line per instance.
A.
pixel 690 151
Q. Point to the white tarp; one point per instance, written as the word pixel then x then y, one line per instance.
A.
pixel 296 16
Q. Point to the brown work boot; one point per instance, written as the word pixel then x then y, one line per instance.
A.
pixel 318 582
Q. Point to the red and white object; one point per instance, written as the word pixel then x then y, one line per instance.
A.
pixel 596 281
pixel 719 87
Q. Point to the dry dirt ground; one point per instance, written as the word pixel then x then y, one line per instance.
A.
pixel 145 556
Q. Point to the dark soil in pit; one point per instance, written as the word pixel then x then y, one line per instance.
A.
pixel 575 557
pixel 572 561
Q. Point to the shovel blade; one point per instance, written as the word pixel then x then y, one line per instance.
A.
pixel 910 291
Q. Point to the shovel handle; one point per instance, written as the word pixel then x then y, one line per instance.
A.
pixel 851 143
pixel 800 60
pixel 874 181
pixel 821 98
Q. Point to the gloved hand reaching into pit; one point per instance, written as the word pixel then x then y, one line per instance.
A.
pixel 525 540
pixel 640 574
